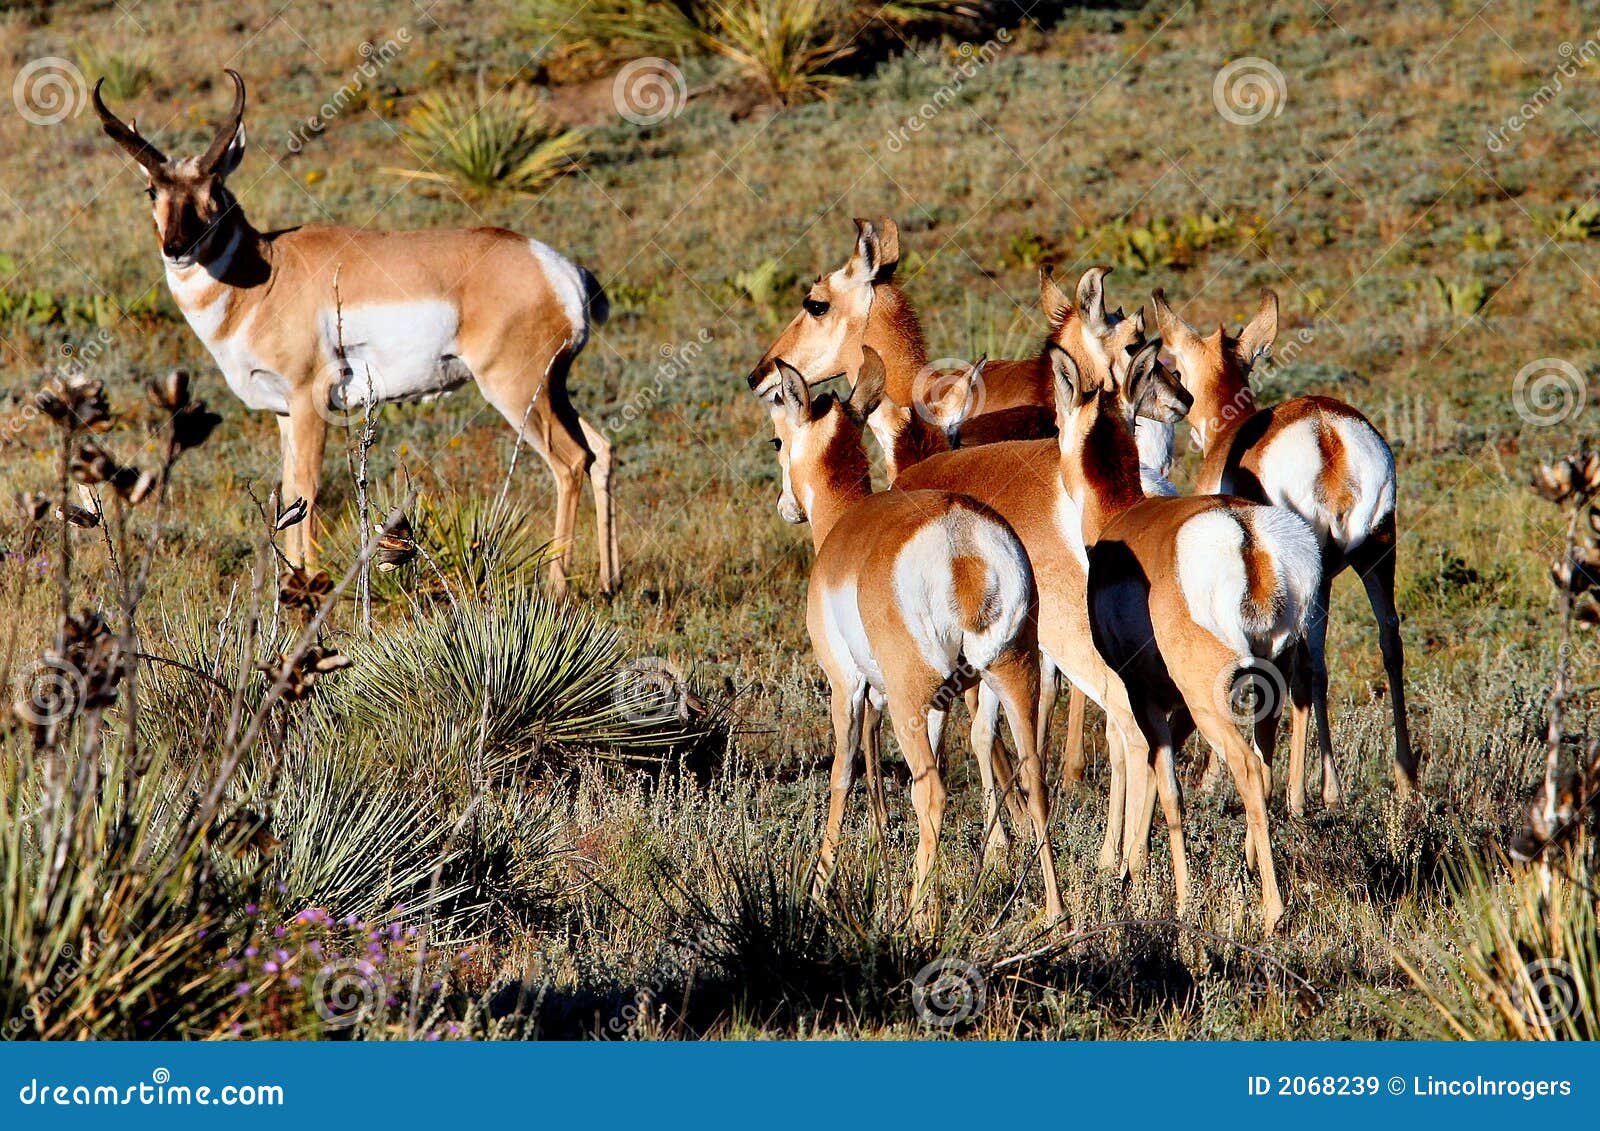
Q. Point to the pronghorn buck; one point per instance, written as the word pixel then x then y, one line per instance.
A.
pixel 1021 480
pixel 859 305
pixel 1322 460
pixel 914 597
pixel 1186 596
pixel 311 321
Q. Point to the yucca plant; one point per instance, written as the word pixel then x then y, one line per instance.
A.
pixel 126 75
pixel 505 143
pixel 519 679
pixel 1520 963
pixel 786 46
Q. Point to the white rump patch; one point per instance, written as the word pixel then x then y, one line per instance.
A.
pixel 1292 464
pixel 1211 576
pixel 567 282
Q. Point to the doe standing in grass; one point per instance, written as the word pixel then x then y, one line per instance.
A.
pixel 313 319
pixel 914 597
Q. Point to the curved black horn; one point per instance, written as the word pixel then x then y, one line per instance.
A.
pixel 126 136
pixel 220 143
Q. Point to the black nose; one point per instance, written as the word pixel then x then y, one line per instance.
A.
pixel 173 249
pixel 756 374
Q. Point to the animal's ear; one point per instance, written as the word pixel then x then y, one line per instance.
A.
pixel 1255 340
pixel 1174 329
pixel 1052 299
pixel 1069 385
pixel 953 407
pixel 868 256
pixel 1092 299
pixel 1137 321
pixel 793 394
pixel 888 250
pixel 1141 382
pixel 868 390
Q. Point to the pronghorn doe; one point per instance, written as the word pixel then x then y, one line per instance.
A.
pixel 315 319
pixel 859 305
pixel 914 597
pixel 1021 480
pixel 1324 461
pixel 1216 584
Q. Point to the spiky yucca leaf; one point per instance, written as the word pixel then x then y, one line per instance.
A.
pixel 503 143
pixel 1520 964
pixel 517 678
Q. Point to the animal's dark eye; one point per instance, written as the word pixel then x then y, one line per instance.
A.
pixel 777 444
pixel 815 307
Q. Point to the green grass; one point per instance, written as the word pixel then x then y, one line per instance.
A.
pixel 1094 138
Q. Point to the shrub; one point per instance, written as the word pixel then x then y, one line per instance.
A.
pixel 507 143
pixel 1519 964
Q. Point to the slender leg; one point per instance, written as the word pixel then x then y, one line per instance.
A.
pixel 1073 759
pixel 847 703
pixel 1299 710
pixel 872 756
pixel 604 514
pixel 1374 561
pixel 1017 684
pixel 1161 769
pixel 911 719
pixel 1316 640
pixel 985 715
pixel 1000 759
pixel 303 433
pixel 1117 755
pixel 1245 767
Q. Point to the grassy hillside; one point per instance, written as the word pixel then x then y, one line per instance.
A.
pixel 1418 190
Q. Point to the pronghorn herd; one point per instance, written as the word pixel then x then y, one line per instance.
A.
pixel 1029 531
